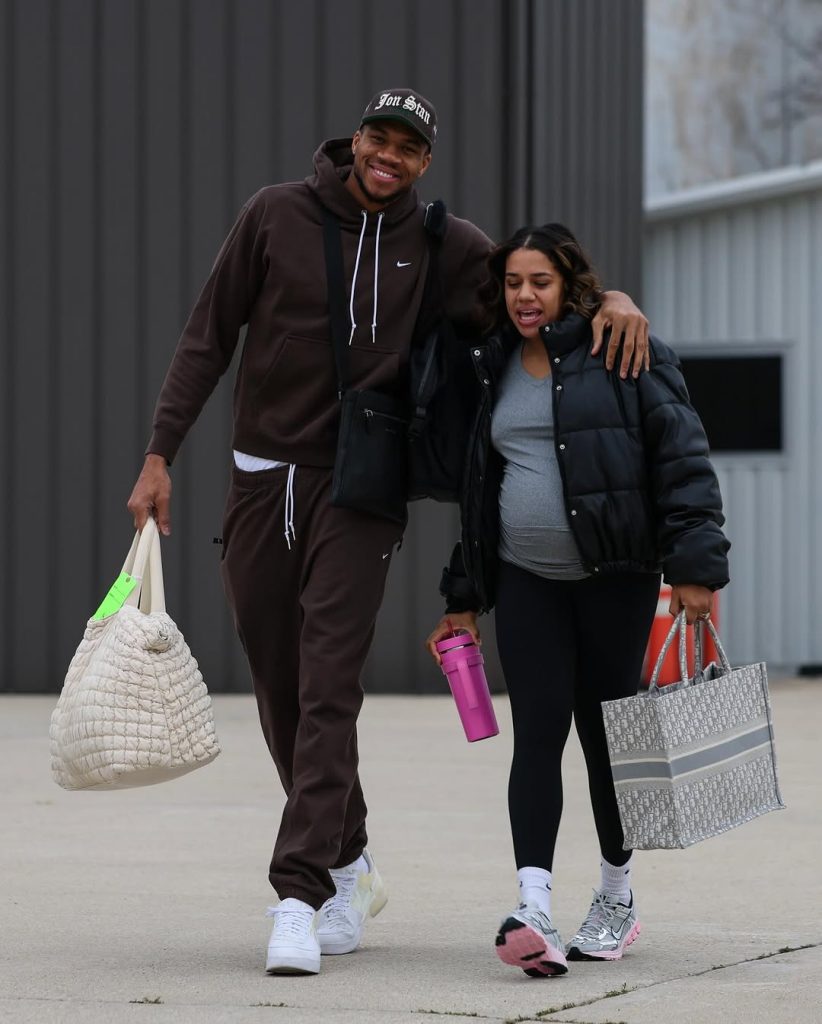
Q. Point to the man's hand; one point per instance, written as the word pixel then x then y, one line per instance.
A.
pixel 629 326
pixel 447 625
pixel 152 495
pixel 694 599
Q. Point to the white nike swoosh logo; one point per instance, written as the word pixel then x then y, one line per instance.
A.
pixel 386 555
pixel 399 264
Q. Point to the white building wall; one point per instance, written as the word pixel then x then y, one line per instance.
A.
pixel 738 268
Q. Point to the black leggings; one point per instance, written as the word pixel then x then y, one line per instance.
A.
pixel 565 646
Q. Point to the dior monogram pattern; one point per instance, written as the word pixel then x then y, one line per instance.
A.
pixel 697 714
pixel 693 760
pixel 659 818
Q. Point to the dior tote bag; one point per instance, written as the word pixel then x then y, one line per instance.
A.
pixel 134 709
pixel 695 758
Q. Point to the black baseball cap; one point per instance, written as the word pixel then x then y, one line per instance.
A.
pixel 407 106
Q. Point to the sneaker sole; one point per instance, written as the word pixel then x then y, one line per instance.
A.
pixel 575 953
pixel 379 898
pixel 518 945
pixel 293 965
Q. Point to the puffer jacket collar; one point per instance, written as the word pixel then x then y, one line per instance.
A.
pixel 563 336
pixel 560 337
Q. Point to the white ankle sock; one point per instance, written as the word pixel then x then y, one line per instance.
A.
pixel 616 879
pixel 361 864
pixel 535 887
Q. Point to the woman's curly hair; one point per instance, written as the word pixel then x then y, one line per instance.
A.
pixel 583 291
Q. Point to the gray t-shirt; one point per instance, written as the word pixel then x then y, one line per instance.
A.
pixel 534 530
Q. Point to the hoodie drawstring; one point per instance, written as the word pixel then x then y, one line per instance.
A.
pixel 354 281
pixel 376 272
pixel 376 276
pixel 289 507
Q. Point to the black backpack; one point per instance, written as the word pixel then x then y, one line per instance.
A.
pixel 442 385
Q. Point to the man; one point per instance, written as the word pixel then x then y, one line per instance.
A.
pixel 304 579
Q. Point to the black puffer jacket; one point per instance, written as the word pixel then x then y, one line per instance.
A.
pixel 640 491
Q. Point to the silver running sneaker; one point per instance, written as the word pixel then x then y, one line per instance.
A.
pixel 607 931
pixel 527 939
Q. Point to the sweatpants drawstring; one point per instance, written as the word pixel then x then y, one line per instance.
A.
pixel 289 507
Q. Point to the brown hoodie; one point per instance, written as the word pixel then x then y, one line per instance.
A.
pixel 270 274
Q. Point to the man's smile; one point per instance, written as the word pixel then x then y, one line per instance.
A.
pixel 383 174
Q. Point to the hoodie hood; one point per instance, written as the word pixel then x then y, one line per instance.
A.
pixel 333 162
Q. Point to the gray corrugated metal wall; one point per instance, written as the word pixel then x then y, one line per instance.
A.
pixel 132 132
pixel 741 275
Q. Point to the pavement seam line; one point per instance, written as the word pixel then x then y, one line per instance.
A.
pixel 456 1013
pixel 616 993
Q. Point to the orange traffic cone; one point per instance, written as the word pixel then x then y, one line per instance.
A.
pixel 659 631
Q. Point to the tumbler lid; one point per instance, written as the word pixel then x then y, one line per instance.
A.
pixel 461 638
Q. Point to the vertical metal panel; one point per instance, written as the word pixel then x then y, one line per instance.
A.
pixel 120 227
pixel 164 162
pixel 7 318
pixel 74 293
pixel 744 277
pixel 134 131
pixel 584 124
pixel 29 483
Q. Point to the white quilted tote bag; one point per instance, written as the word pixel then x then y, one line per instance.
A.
pixel 134 709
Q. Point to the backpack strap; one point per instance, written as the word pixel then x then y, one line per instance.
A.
pixel 432 307
pixel 427 330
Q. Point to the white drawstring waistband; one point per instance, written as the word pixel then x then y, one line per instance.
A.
pixel 289 507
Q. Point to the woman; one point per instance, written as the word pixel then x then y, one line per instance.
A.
pixel 580 487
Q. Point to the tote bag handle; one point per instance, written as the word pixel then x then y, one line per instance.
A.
pixel 144 563
pixel 679 626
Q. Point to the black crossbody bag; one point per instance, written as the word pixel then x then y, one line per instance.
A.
pixel 371 463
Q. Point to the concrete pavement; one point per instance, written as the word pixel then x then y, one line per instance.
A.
pixel 147 906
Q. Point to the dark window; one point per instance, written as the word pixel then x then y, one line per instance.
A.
pixel 739 399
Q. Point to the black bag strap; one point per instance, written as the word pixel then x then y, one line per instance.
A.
pixel 332 243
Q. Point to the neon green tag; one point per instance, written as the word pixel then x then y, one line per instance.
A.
pixel 116 597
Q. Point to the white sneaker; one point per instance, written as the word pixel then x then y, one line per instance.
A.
pixel 293 947
pixel 360 894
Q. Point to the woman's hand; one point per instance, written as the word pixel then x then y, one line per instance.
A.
pixel 695 600
pixel 629 326
pixel 449 624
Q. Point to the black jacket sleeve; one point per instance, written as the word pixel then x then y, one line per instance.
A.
pixel 455 586
pixel 683 483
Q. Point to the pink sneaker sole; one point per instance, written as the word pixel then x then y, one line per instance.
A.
pixel 615 954
pixel 521 946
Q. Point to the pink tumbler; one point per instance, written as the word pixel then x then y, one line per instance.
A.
pixel 462 665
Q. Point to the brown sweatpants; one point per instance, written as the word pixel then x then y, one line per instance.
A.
pixel 305 617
